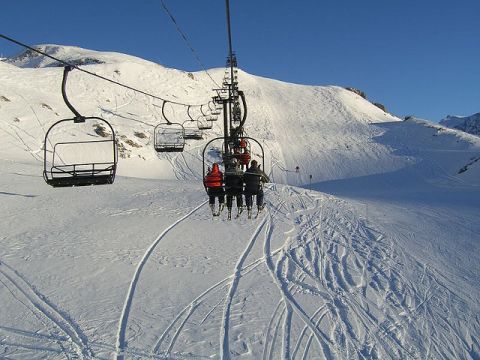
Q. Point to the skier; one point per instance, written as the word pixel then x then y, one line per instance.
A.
pixel 254 178
pixel 213 182
pixel 234 187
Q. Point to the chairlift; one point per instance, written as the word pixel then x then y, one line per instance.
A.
pixel 169 136
pixel 203 123
pixel 230 155
pixel 218 102
pixel 73 162
pixel 192 131
pixel 215 111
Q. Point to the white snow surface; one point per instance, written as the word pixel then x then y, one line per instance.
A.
pixel 369 251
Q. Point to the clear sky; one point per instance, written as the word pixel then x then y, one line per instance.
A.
pixel 417 57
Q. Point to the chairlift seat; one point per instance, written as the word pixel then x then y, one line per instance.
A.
pixel 80 175
pixel 169 147
pixel 81 180
pixel 193 134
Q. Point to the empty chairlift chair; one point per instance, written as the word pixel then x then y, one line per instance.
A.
pixel 203 123
pixel 168 137
pixel 214 110
pixel 192 131
pixel 79 151
pixel 206 119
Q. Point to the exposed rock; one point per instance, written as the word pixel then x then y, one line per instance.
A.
pixel 140 135
pixel 380 106
pixel 357 91
pixel 46 106
pixel 100 130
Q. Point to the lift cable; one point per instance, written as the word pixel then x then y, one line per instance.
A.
pixel 93 74
pixel 182 34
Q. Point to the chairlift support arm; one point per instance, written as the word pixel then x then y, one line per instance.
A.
pixel 78 118
pixel 201 110
pixel 163 113
pixel 188 113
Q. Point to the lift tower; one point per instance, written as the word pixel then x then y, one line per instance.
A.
pixel 233 115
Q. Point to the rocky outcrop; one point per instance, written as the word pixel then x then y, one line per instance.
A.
pixel 357 91
pixel 363 95
pixel 380 106
pixel 468 124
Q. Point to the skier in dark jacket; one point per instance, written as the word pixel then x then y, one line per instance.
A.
pixel 254 178
pixel 234 186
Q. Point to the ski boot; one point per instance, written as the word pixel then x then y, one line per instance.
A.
pixel 229 216
pixel 249 212
pixel 212 207
pixel 259 210
pixel 239 211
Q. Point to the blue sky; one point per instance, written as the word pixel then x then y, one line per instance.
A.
pixel 419 57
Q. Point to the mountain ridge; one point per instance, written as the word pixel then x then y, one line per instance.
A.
pixel 469 124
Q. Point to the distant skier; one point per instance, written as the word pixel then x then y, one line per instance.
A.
pixel 254 178
pixel 234 186
pixel 213 182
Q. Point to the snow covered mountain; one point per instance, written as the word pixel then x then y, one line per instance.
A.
pixel 469 124
pixel 367 252
pixel 71 54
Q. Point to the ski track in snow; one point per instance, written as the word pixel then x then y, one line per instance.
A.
pixel 367 309
pixel 287 296
pixel 365 306
pixel 195 304
pixel 224 337
pixel 122 327
pixel 43 308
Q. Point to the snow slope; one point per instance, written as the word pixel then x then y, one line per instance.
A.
pixel 375 259
pixel 275 110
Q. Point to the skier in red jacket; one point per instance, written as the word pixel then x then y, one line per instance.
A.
pixel 213 182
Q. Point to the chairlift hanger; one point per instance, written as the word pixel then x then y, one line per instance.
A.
pixel 78 173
